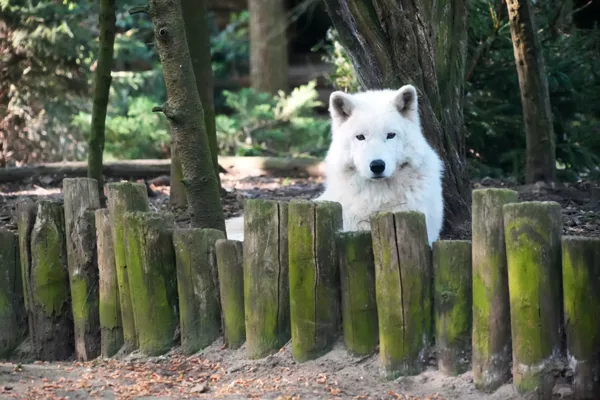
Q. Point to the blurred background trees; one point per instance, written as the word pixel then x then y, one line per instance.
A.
pixel 49 52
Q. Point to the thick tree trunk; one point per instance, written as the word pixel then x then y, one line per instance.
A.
pixel 177 195
pixel 101 90
pixel 186 115
pixel 195 17
pixel 268 45
pixel 392 44
pixel 535 98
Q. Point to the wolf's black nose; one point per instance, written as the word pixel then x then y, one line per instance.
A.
pixel 377 166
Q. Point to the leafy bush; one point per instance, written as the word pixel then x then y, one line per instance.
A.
pixel 230 48
pixel 134 134
pixel 266 124
pixel 344 77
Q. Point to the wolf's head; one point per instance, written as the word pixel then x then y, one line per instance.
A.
pixel 376 133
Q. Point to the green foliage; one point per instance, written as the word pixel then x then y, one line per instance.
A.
pixel 135 135
pixel 266 124
pixel 45 54
pixel 493 113
pixel 230 47
pixel 344 78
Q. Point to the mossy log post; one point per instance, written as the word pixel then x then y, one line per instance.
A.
pixel 581 293
pixel 198 287
pixel 123 197
pixel 12 307
pixel 152 279
pixel 452 304
pixel 111 327
pixel 266 284
pixel 230 264
pixel 532 232
pixel 314 278
pixel 359 305
pixel 26 210
pixel 403 286
pixel 81 199
pixel 185 113
pixel 53 337
pixel 491 343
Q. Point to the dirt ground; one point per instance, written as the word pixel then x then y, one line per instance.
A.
pixel 218 372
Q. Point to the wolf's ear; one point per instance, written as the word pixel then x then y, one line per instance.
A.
pixel 340 105
pixel 406 102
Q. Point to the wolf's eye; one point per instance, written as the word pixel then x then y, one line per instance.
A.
pixel 391 135
pixel 360 137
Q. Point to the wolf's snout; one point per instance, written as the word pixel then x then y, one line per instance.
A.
pixel 377 166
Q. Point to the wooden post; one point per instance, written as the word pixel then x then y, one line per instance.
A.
pixel 152 278
pixel 230 263
pixel 49 285
pixel 26 210
pixel 403 285
pixel 581 282
pixel 314 279
pixel 13 319
pixel 491 312
pixel 266 285
pixel 122 197
pixel 81 198
pixel 359 305
pixel 453 299
pixel 532 234
pixel 198 287
pixel 111 327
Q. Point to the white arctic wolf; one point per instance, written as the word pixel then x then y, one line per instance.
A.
pixel 378 160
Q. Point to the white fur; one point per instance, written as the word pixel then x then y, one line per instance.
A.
pixel 412 178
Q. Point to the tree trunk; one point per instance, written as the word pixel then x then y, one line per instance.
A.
pixel 177 195
pixel 101 91
pixel 535 98
pixel 392 44
pixel 268 45
pixel 186 115
pixel 195 16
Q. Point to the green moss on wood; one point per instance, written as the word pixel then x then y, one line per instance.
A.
pixel 314 279
pixel 453 304
pixel 26 210
pixel 231 286
pixel 403 290
pixel 12 306
pixel 122 197
pixel 266 285
pixel 81 198
pixel 532 236
pixel 359 305
pixel 49 284
pixel 581 293
pixel 198 287
pixel 111 328
pixel 152 279
pixel 491 312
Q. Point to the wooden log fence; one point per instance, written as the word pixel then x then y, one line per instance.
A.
pixel 514 292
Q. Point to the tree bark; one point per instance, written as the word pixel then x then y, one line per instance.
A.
pixel 268 46
pixel 392 44
pixel 195 17
pixel 177 195
pixel 101 91
pixel 535 98
pixel 186 115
